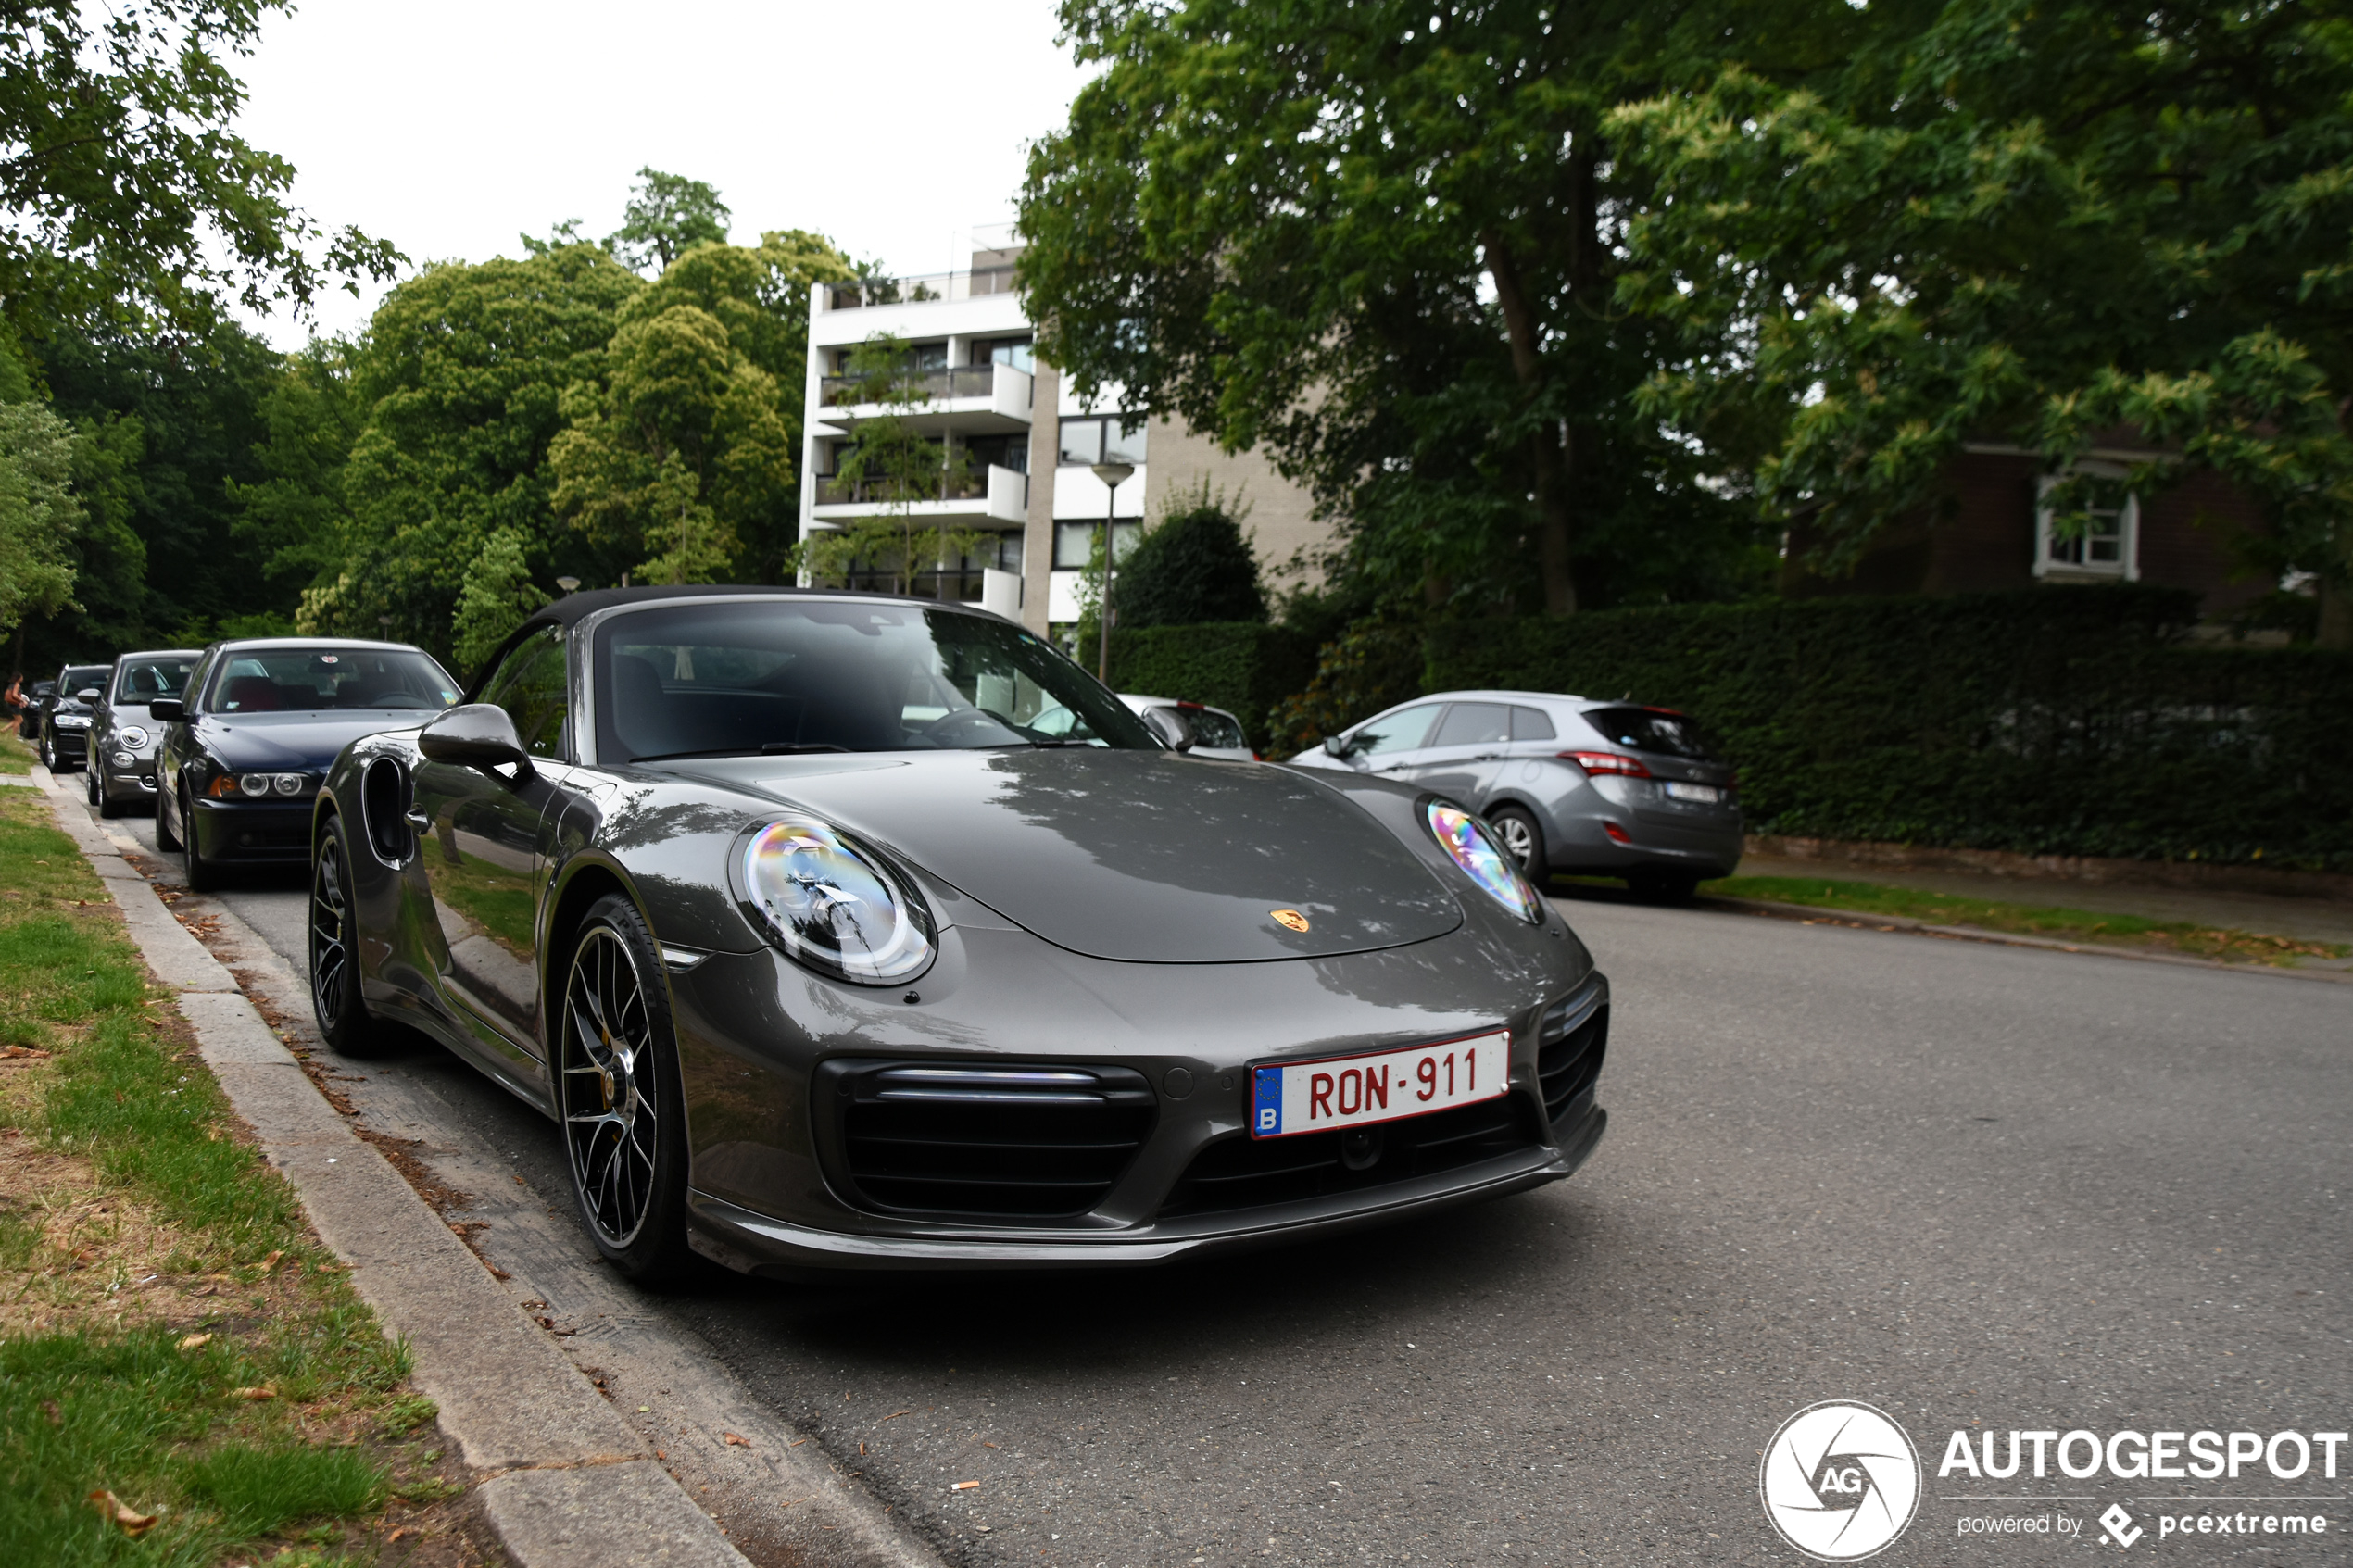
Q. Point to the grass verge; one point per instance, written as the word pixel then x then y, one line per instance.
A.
pixel 2031 920
pixel 183 1370
pixel 16 756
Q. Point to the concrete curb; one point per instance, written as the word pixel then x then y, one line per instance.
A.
pixel 2004 938
pixel 513 1403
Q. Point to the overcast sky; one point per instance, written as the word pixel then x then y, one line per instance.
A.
pixel 892 126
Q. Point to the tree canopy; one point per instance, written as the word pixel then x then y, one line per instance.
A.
pixel 1384 242
pixel 668 215
pixel 2049 225
pixel 124 193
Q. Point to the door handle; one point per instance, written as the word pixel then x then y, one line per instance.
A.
pixel 416 820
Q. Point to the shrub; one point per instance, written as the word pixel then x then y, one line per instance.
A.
pixel 1190 569
pixel 2055 720
pixel 1239 666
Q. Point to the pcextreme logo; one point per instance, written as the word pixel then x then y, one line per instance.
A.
pixel 1840 1481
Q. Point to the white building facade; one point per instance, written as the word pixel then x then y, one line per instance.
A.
pixel 1029 449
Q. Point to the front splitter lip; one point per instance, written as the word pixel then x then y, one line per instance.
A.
pixel 756 1242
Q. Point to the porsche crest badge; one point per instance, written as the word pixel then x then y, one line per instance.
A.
pixel 1289 918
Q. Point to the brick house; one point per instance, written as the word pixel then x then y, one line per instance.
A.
pixel 1993 531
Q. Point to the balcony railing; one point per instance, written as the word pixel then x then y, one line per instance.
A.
pixel 976 284
pixel 963 381
pixel 986 483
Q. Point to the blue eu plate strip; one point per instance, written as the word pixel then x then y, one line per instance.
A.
pixel 1266 1102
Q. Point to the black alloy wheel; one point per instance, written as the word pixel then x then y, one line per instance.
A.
pixel 1521 838
pixel 335 998
pixel 205 875
pixel 618 1092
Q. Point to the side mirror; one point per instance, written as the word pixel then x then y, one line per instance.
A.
pixel 476 735
pixel 167 710
pixel 1337 746
pixel 87 693
pixel 1170 726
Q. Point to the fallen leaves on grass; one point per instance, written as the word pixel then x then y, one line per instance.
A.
pixel 194 1341
pixel 255 1392
pixel 22 1053
pixel 133 1523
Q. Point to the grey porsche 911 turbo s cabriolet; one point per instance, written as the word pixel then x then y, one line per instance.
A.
pixel 822 958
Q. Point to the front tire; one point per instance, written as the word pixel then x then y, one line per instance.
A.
pixel 618 1092
pixel 335 998
pixel 205 874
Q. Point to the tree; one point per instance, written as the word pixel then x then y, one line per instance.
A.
pixel 1383 240
pixel 497 596
pixel 895 467
pixel 668 215
pixel 462 375
pixel 294 512
pixel 124 193
pixel 2016 221
pixel 683 447
pixel 1191 567
pixel 38 513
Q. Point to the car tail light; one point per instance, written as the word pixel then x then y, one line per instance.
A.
pixel 1607 762
pixel 1617 834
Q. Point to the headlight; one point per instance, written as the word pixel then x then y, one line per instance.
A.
pixel 256 786
pixel 835 905
pixel 134 737
pixel 72 722
pixel 1466 841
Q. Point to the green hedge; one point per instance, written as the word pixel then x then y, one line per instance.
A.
pixel 1243 667
pixel 2056 721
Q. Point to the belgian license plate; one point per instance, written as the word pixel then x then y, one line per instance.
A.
pixel 1708 794
pixel 1351 1091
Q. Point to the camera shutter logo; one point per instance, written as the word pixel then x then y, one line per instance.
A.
pixel 1840 1481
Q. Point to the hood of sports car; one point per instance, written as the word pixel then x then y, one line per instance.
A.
pixel 308 742
pixel 1142 856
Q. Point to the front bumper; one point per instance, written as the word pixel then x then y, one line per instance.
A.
pixel 68 743
pixel 253 832
pixel 783 1176
pixel 758 1244
pixel 135 782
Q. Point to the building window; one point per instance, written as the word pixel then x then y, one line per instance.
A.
pixel 1116 438
pixel 1017 352
pixel 1074 542
pixel 2108 548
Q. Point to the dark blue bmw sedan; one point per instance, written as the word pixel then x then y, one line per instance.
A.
pixel 245 747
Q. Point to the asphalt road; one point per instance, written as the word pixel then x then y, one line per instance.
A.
pixel 1978 1187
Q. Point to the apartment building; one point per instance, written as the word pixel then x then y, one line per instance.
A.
pixel 1027 447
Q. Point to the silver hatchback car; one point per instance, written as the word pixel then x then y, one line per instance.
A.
pixel 1573 786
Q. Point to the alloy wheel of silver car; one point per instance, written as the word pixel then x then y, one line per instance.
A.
pixel 1519 836
pixel 611 1086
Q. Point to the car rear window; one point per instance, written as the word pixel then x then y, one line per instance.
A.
pixel 1533 724
pixel 1657 730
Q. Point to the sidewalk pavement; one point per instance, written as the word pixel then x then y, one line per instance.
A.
pixel 2307 920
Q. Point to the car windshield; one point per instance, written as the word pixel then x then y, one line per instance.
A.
pixel 1655 729
pixel 801 676
pixel 74 681
pixel 145 678
pixel 307 680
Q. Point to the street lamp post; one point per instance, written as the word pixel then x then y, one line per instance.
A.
pixel 568 585
pixel 1114 475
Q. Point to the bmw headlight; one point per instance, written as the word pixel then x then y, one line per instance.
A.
pixel 835 905
pixel 1468 844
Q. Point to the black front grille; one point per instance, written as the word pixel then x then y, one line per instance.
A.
pixel 1245 1173
pixel 1571 1039
pixel 1025 1142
